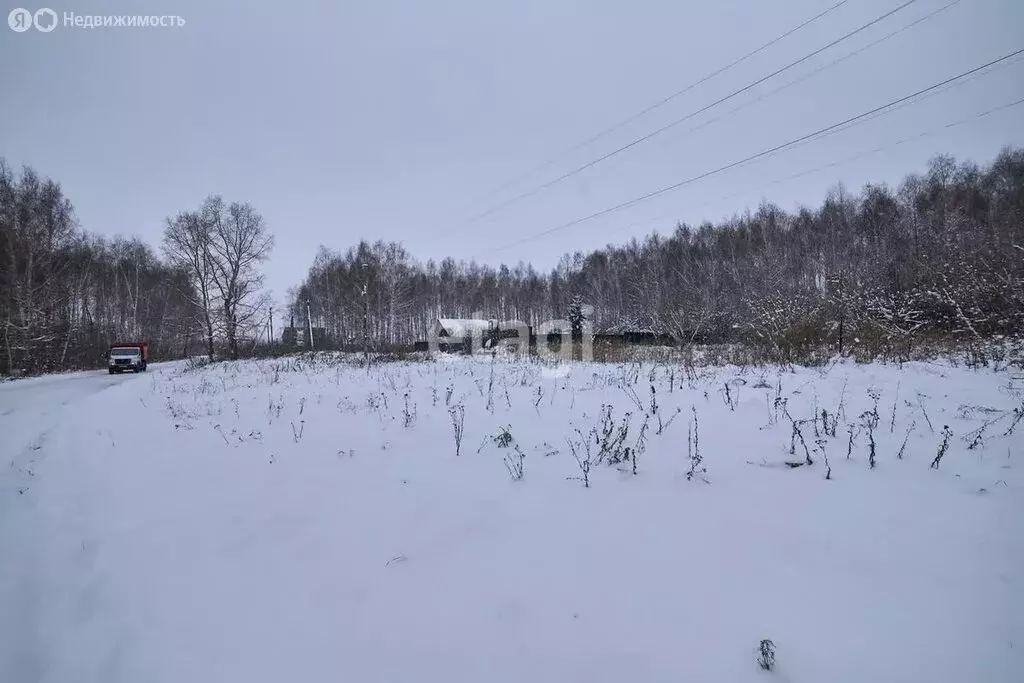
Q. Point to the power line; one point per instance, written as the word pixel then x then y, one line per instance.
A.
pixel 659 131
pixel 820 69
pixel 894 108
pixel 846 160
pixel 821 132
pixel 830 65
pixel 903 141
pixel 665 100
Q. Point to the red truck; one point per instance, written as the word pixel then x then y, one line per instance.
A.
pixel 124 356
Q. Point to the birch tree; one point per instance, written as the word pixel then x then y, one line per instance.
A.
pixel 239 243
pixel 187 244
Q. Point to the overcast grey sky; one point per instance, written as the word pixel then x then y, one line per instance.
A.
pixel 393 120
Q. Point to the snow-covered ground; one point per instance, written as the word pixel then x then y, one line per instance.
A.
pixel 311 521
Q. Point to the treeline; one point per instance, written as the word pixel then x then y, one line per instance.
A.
pixel 942 255
pixel 65 294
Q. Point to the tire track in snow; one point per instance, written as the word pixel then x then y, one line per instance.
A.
pixel 30 411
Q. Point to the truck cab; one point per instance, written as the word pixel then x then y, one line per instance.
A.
pixel 127 356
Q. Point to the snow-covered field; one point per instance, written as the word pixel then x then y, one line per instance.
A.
pixel 308 520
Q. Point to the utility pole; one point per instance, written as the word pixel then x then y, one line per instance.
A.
pixel 366 319
pixel 270 340
pixel 309 325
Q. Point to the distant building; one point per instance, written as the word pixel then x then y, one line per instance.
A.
pixel 636 338
pixel 457 334
pixel 463 334
pixel 298 337
pixel 459 328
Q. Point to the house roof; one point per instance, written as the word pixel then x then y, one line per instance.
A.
pixel 462 327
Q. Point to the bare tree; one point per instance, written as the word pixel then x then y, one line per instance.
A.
pixel 66 294
pixel 37 226
pixel 239 242
pixel 187 239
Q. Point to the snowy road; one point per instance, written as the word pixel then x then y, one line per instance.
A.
pixel 31 406
pixel 30 411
